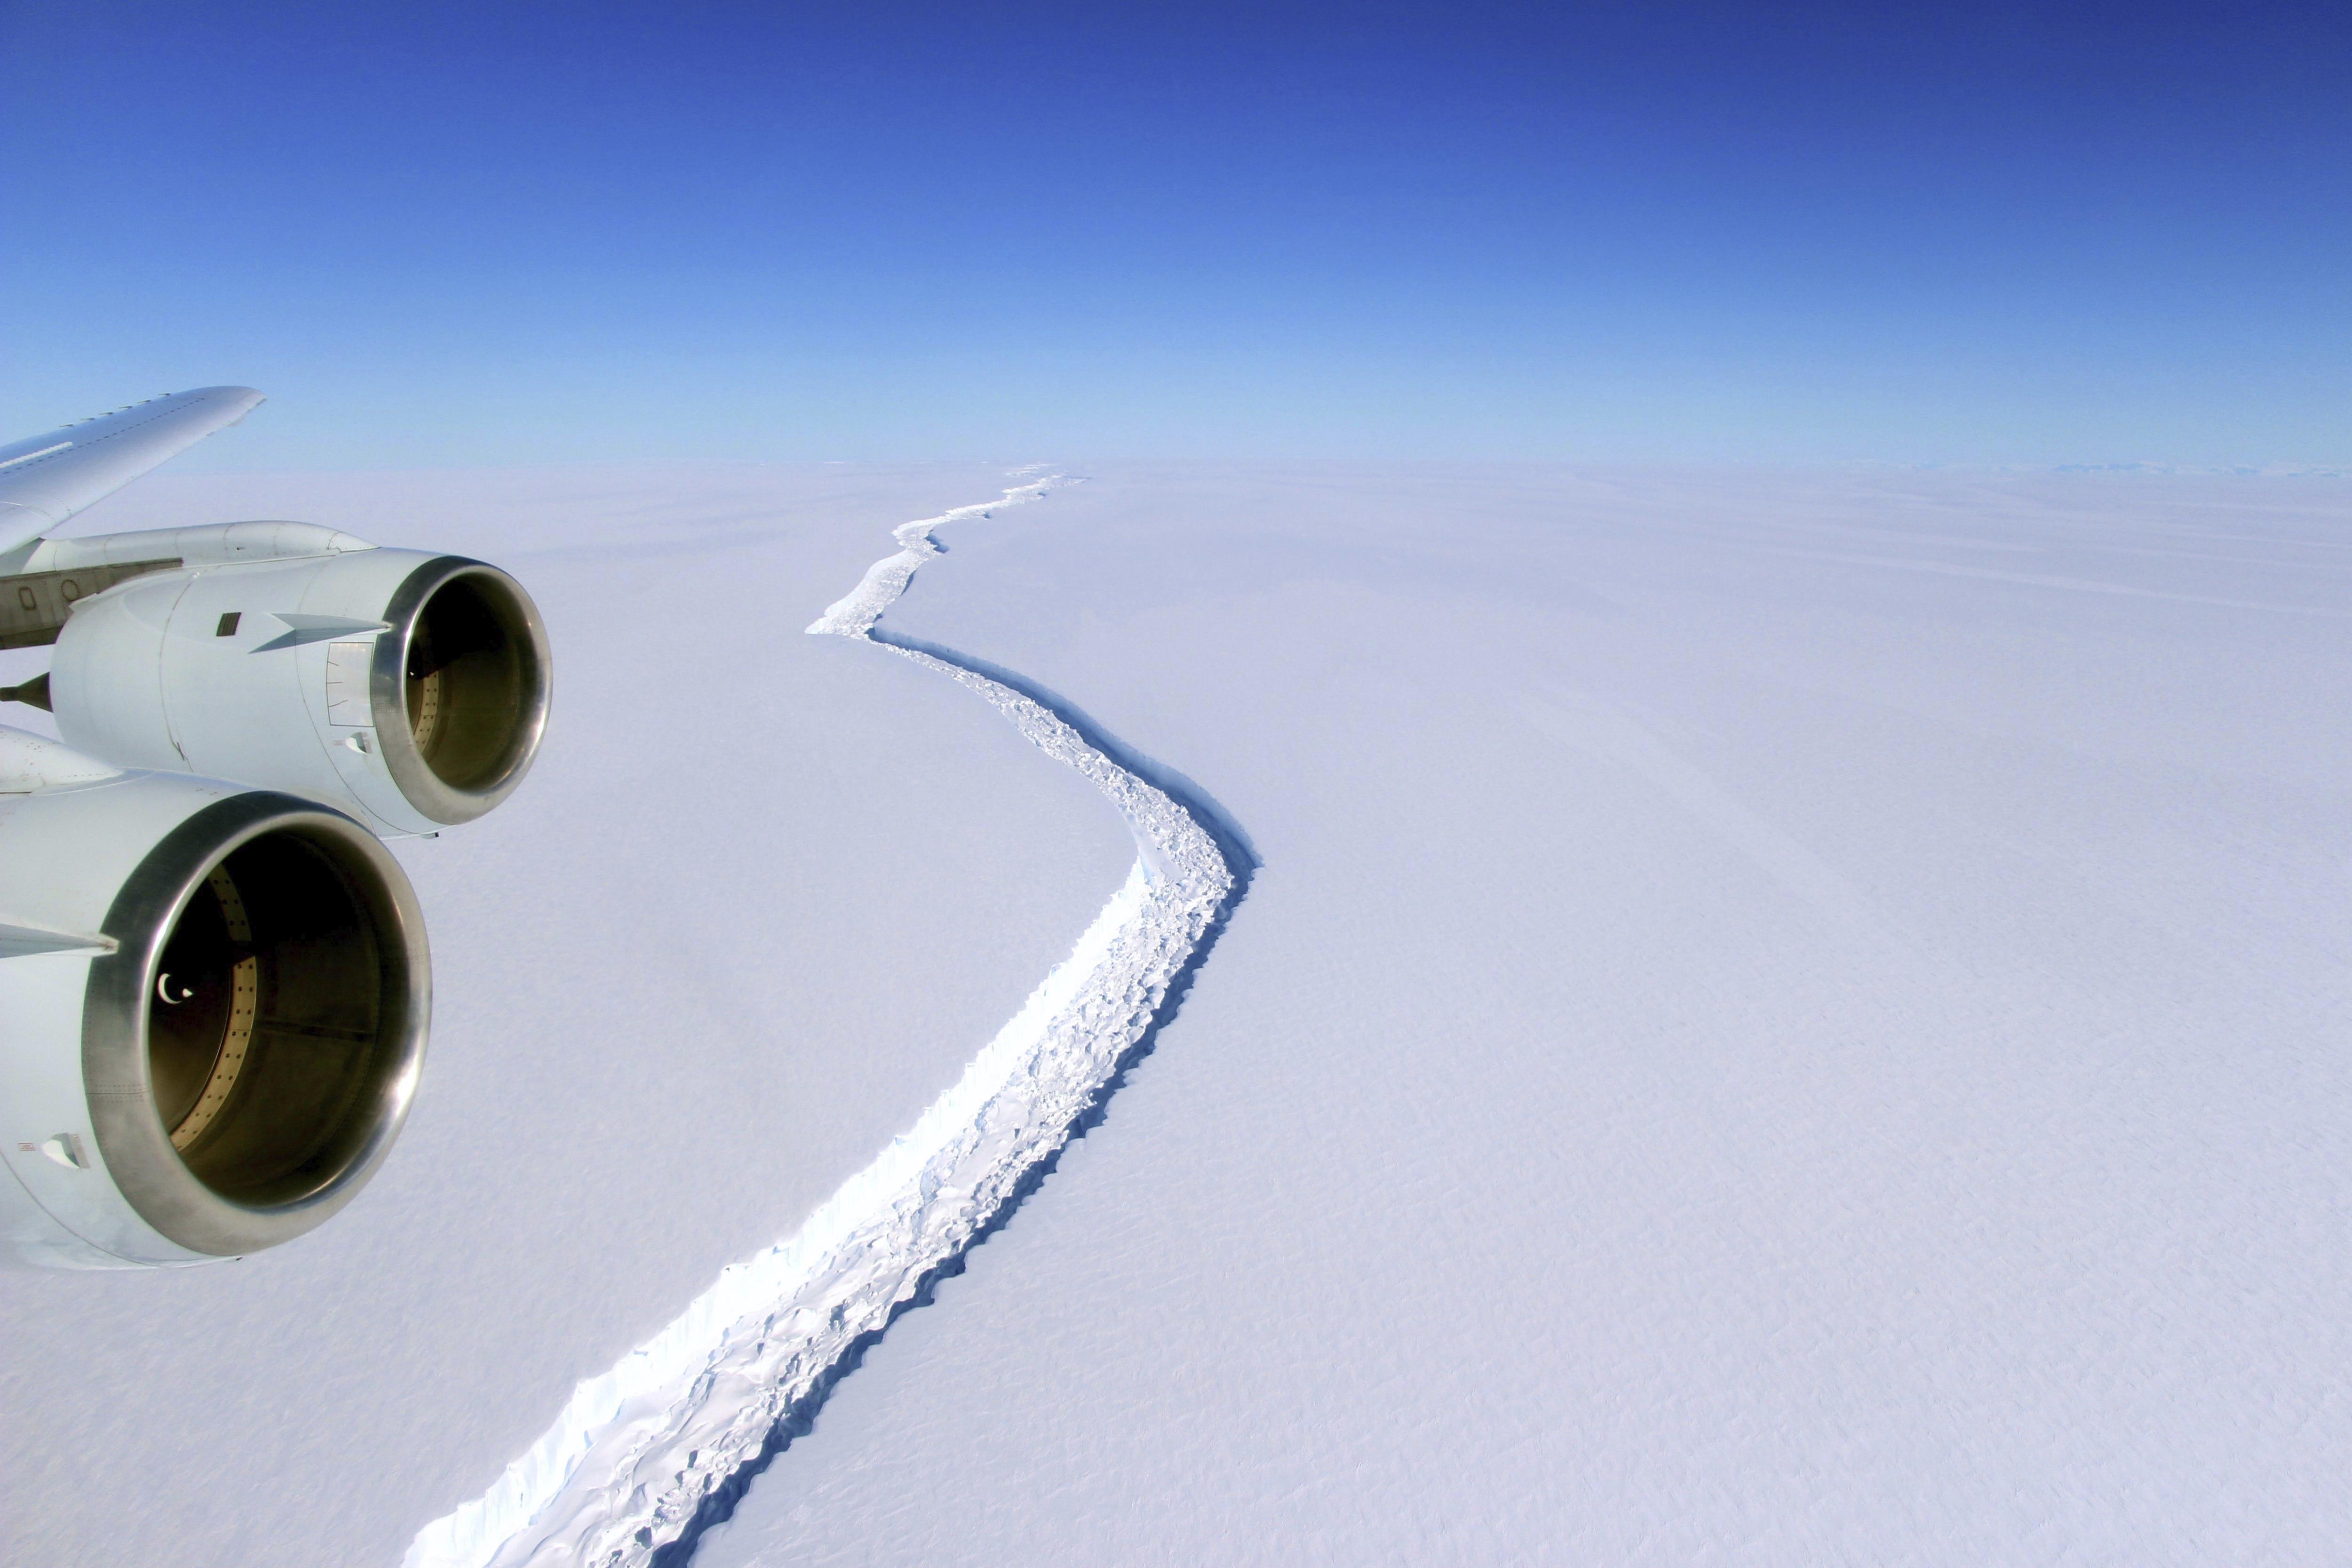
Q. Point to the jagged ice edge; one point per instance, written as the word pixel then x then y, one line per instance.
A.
pixel 624 1469
pixel 854 614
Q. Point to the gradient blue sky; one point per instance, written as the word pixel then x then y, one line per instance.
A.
pixel 487 234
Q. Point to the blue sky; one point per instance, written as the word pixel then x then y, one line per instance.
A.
pixel 548 233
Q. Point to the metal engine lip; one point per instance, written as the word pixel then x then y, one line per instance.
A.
pixel 132 1137
pixel 431 795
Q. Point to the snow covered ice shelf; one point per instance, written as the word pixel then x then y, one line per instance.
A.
pixel 762 898
pixel 1783 1019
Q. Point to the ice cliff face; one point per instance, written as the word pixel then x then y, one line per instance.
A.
pixel 628 1465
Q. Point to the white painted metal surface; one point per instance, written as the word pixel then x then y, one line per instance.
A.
pixel 45 479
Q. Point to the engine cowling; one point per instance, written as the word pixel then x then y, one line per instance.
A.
pixel 408 689
pixel 215 1003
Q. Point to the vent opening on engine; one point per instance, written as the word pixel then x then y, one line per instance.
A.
pixel 274 1025
pixel 473 683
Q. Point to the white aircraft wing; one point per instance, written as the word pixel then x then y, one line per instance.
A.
pixel 47 479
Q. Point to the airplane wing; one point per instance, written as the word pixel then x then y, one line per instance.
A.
pixel 47 479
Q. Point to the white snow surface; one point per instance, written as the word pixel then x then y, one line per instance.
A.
pixel 1783 1017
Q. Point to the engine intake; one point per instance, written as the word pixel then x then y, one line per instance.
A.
pixel 232 1072
pixel 461 699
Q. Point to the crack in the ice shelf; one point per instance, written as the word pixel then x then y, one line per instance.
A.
pixel 650 1455
pixel 1241 855
pixel 799 1420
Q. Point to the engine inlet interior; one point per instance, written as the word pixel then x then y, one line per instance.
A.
pixel 277 1029
pixel 476 684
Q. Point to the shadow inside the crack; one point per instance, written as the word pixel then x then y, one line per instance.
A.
pixel 1234 843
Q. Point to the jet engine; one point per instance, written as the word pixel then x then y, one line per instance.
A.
pixel 214 983
pixel 407 688
pixel 216 1002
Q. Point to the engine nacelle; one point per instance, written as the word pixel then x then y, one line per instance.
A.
pixel 214 1003
pixel 410 689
